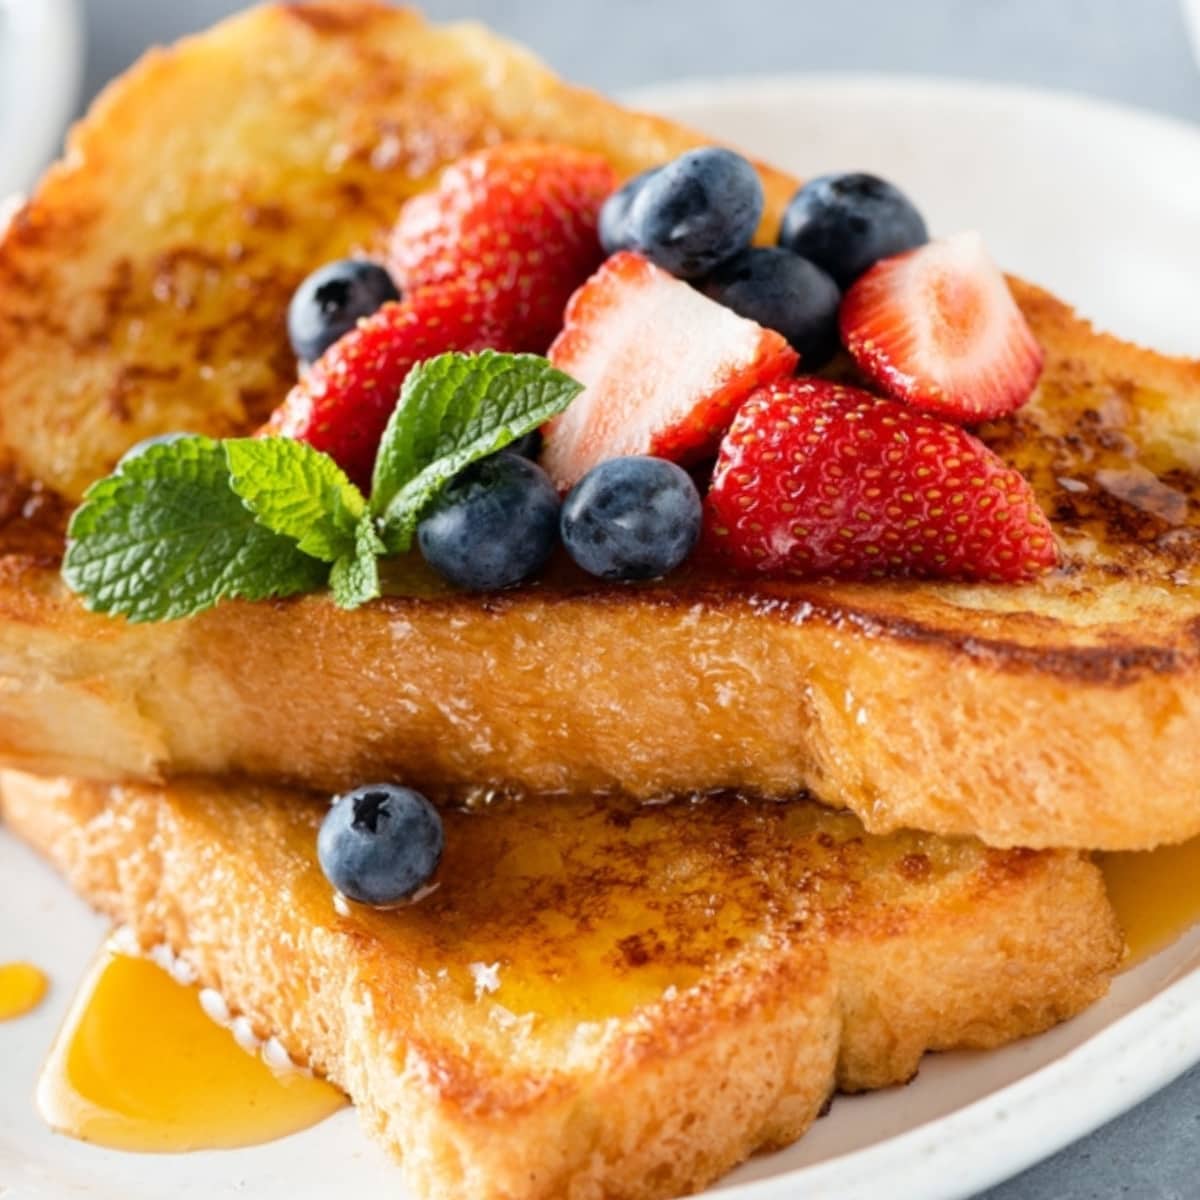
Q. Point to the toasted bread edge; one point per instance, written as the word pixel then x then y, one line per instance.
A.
pixel 688 1086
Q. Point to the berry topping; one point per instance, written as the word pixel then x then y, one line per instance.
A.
pixel 697 211
pixel 632 518
pixel 846 223
pixel 330 302
pixel 517 222
pixel 529 446
pixel 784 292
pixel 494 526
pixel 938 327
pixel 615 233
pixel 663 367
pixel 380 844
pixel 815 479
pixel 342 404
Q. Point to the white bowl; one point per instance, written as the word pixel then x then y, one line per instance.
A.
pixel 1191 18
pixel 41 68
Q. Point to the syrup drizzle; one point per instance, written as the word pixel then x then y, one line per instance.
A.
pixel 139 1066
pixel 22 987
pixel 1156 894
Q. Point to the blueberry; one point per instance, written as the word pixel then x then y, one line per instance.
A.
pixel 784 292
pixel 140 448
pixel 529 446
pixel 847 223
pixel 631 518
pixel 493 526
pixel 696 211
pixel 615 233
pixel 330 302
pixel 380 844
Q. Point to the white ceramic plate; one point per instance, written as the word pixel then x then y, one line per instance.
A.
pixel 1097 203
pixel 41 64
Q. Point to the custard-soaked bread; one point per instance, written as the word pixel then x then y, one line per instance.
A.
pixel 597 1000
pixel 1065 712
pixel 143 289
pixel 160 255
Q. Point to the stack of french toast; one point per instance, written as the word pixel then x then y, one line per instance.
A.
pixel 715 846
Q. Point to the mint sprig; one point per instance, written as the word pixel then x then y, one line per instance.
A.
pixel 297 491
pixel 354 578
pixel 192 522
pixel 166 537
pixel 454 410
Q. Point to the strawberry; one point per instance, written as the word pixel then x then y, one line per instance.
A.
pixel 938 327
pixel 815 479
pixel 342 403
pixel 664 369
pixel 518 221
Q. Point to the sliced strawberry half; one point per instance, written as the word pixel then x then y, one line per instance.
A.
pixel 664 369
pixel 818 480
pixel 518 221
pixel 342 404
pixel 938 328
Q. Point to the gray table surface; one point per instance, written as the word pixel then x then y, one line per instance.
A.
pixel 1134 51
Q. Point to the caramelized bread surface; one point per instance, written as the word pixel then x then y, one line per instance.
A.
pixel 598 1000
pixel 144 286
pixel 143 289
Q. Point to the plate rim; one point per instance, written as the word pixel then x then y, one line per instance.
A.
pixel 912 1162
pixel 690 89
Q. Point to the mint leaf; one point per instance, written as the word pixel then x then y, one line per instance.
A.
pixel 452 411
pixel 166 537
pixel 355 577
pixel 297 491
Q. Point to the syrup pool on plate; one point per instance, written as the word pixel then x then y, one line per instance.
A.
pixel 22 987
pixel 1156 894
pixel 138 1065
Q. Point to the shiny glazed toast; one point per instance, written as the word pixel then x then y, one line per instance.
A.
pixel 143 289
pixel 599 1000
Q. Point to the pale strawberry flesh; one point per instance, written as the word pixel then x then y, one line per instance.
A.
pixel 938 328
pixel 664 369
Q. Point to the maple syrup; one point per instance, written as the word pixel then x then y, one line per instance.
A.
pixel 22 987
pixel 1156 894
pixel 138 1065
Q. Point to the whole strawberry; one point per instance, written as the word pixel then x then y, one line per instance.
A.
pixel 518 222
pixel 819 480
pixel 343 402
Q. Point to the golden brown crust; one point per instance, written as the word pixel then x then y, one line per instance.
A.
pixel 157 259
pixel 678 985
pixel 1068 711
pixel 549 692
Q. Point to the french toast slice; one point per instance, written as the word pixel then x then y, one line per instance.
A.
pixel 598 1000
pixel 143 289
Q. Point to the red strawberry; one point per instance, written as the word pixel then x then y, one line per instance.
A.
pixel 664 369
pixel 938 327
pixel 816 479
pixel 343 402
pixel 518 221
